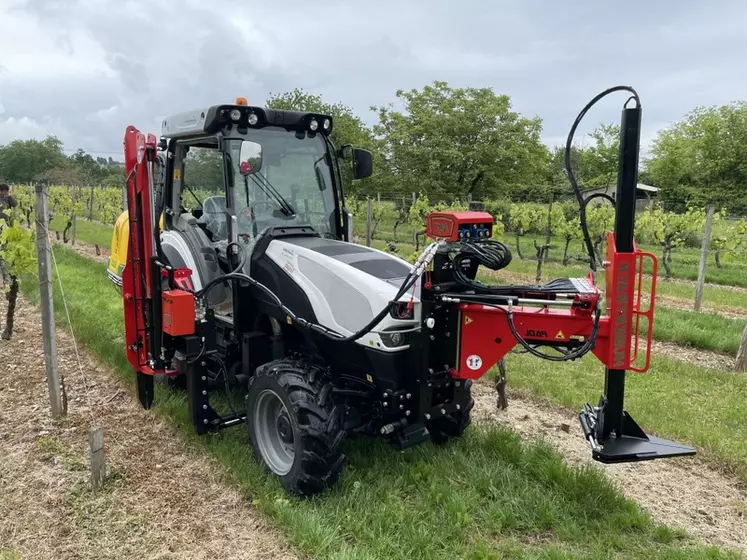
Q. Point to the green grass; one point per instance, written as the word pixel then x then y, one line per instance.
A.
pixel 708 331
pixel 489 495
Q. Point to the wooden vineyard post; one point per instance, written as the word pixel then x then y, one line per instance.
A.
pixel 414 226
pixel 705 246
pixel 369 220
pixel 44 251
pixel 98 457
pixel 741 364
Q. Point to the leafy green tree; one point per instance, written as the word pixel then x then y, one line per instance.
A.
pixel 594 163
pixel 21 161
pixel 91 171
pixel 703 159
pixel 731 239
pixel 669 229
pixel 64 174
pixel 566 226
pixel 600 220
pixel 522 219
pixel 459 142
pixel 24 194
pixel 17 258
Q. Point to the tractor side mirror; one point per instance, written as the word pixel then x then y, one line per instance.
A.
pixel 362 163
pixel 250 158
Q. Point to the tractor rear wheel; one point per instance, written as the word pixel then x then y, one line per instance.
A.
pixel 295 427
pixel 443 429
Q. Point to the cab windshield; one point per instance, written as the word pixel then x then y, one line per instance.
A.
pixel 281 178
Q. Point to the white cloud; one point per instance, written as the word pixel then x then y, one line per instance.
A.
pixel 85 69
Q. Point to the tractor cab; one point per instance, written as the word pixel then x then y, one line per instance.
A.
pixel 229 172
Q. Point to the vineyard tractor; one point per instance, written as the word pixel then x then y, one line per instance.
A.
pixel 260 290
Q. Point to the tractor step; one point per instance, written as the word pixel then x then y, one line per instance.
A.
pixel 412 435
pixel 632 445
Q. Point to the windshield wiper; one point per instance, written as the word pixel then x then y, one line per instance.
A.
pixel 268 189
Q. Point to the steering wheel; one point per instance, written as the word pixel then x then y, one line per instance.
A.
pixel 249 216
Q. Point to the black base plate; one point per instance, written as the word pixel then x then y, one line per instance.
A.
pixel 633 445
pixel 629 449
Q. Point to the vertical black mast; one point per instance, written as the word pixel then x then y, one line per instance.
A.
pixel 627 179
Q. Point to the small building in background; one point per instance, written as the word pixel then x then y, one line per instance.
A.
pixel 644 194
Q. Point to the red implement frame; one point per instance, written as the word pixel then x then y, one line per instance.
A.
pixel 137 276
pixel 485 336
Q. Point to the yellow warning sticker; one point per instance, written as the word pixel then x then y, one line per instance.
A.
pixel 467 320
pixel 176 174
pixel 560 335
pixel 289 320
pixel 369 378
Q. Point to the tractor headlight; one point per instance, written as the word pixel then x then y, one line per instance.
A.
pixel 394 339
pixel 314 125
pixel 326 124
pixel 253 119
pixel 235 115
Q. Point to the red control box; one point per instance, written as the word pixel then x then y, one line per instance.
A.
pixel 178 312
pixel 459 226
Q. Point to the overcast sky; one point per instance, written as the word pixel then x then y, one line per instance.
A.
pixel 84 69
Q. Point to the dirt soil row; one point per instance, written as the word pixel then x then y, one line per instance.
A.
pixel 685 492
pixel 162 499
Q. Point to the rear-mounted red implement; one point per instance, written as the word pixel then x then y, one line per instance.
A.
pixel 486 335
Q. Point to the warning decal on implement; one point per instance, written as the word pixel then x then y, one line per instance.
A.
pixel 474 362
pixel 467 320
pixel 560 335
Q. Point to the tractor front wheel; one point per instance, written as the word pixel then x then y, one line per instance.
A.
pixel 295 427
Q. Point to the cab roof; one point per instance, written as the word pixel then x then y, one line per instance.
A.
pixel 241 117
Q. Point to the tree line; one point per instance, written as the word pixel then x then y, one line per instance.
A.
pixel 454 143
pixel 44 161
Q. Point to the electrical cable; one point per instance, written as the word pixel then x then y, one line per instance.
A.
pixel 569 168
pixel 227 386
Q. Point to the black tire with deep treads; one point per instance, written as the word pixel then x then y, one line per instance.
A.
pixel 316 421
pixel 443 429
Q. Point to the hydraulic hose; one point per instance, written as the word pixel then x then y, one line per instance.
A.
pixel 569 168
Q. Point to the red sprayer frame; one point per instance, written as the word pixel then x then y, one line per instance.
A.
pixel 485 336
pixel 137 276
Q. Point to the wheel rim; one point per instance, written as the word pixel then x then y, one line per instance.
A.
pixel 274 432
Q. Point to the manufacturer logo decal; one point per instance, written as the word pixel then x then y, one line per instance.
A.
pixel 474 362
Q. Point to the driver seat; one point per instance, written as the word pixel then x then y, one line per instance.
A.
pixel 214 217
